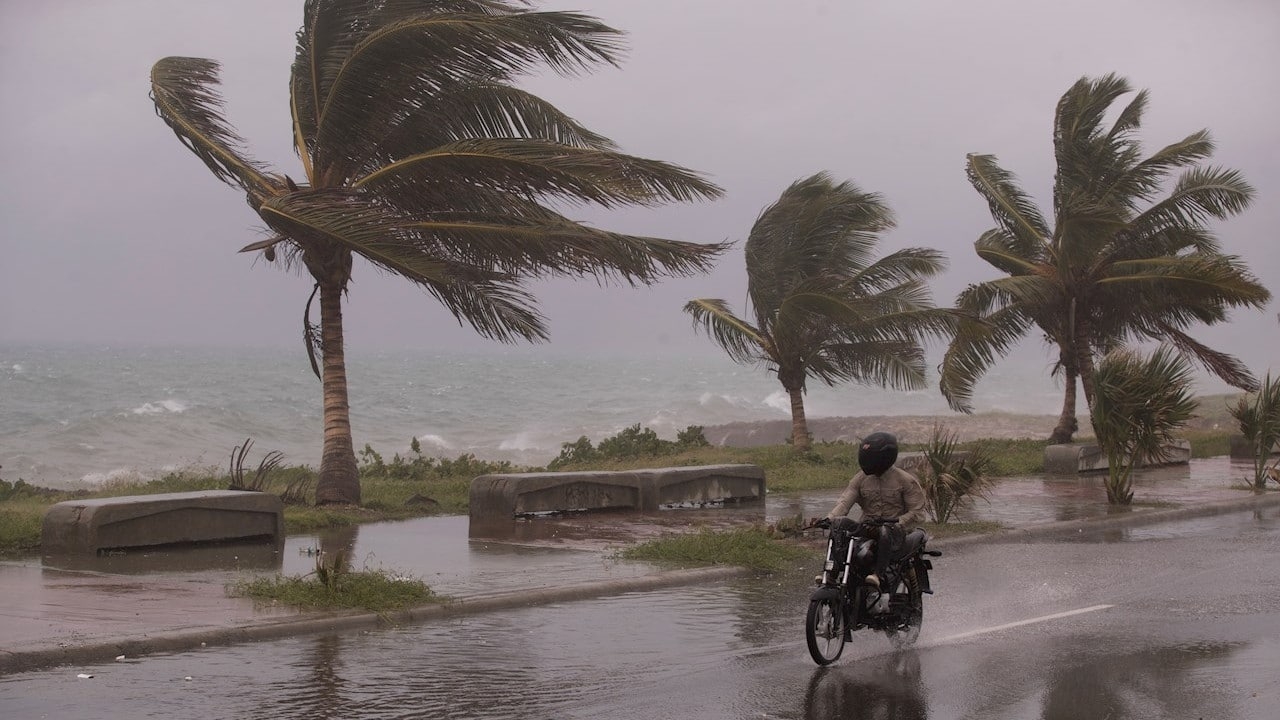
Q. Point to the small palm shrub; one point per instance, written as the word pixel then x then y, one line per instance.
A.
pixel 1138 404
pixel 952 478
pixel 631 442
pixel 1259 419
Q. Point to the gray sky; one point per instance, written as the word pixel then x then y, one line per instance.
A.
pixel 114 233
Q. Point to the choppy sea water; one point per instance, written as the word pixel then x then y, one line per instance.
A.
pixel 80 415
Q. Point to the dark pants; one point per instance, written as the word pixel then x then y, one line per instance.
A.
pixel 889 541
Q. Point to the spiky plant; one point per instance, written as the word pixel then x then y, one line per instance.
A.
pixel 1139 403
pixel 1259 420
pixel 952 478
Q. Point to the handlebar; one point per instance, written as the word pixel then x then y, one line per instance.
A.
pixel 825 523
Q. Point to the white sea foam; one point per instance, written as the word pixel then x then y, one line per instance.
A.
pixel 163 406
pixel 521 442
pixel 18 369
pixel 779 401
pixel 117 475
pixel 433 440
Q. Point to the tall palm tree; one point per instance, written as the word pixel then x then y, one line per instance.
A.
pixel 821 304
pixel 421 156
pixel 1127 259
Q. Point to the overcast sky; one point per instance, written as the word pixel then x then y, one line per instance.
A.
pixel 115 233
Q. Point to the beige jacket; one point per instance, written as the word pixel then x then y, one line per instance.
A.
pixel 896 493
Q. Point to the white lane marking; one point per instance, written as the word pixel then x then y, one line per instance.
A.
pixel 1020 623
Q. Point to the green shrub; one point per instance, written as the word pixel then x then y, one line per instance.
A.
pixel 629 444
pixel 952 478
pixel 1259 420
pixel 333 587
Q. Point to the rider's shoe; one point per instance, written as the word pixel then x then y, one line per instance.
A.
pixel 873 580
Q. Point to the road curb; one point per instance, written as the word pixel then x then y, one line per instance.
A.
pixel 1097 525
pixel 99 651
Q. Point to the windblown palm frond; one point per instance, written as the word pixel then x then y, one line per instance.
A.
pixel 186 98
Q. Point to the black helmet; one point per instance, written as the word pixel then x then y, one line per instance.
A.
pixel 878 452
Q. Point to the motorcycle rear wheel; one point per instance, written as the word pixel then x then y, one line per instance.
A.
pixel 824 630
pixel 903 637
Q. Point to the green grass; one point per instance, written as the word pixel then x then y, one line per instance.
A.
pixel 372 590
pixel 960 529
pixel 753 548
pixel 415 486
pixel 20 526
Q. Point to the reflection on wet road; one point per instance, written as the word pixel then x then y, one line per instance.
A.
pixel 1191 632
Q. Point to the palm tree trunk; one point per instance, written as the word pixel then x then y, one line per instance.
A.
pixel 1067 424
pixel 799 426
pixel 339 481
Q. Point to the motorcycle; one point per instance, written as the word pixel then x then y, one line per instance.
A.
pixel 844 602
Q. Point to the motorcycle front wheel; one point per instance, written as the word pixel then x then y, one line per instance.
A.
pixel 824 629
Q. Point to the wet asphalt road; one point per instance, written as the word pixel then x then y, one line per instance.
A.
pixel 1171 621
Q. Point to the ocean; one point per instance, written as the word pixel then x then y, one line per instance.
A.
pixel 75 416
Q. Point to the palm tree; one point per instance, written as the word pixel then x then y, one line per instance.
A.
pixel 421 156
pixel 1139 404
pixel 1120 264
pixel 822 305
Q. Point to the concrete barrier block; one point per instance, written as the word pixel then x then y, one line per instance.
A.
pixel 1242 450
pixel 496 499
pixel 700 485
pixel 1086 457
pixel 88 526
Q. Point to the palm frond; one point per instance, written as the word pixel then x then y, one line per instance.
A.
pixel 897 365
pixel 980 339
pixel 498 308
pixel 185 93
pixel 434 50
pixel 536 168
pixel 402 125
pixel 554 245
pixel 1010 206
pixel 320 219
pixel 744 344
pixel 1226 367
pixel 906 265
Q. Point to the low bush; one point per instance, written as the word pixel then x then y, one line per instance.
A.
pixel 332 587
pixel 747 547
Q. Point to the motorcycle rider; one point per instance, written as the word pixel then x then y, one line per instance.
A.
pixel 883 492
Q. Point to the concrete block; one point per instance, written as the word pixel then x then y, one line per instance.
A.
pixel 88 526
pixel 1086 457
pixel 500 497
pixel 1241 450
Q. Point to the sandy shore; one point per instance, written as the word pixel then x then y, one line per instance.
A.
pixel 908 428
pixel 1211 415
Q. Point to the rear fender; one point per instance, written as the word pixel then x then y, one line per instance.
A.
pixel 923 567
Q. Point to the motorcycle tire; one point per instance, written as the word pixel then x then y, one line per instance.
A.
pixel 824 630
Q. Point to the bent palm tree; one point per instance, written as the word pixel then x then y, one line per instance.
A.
pixel 1119 264
pixel 823 306
pixel 421 157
